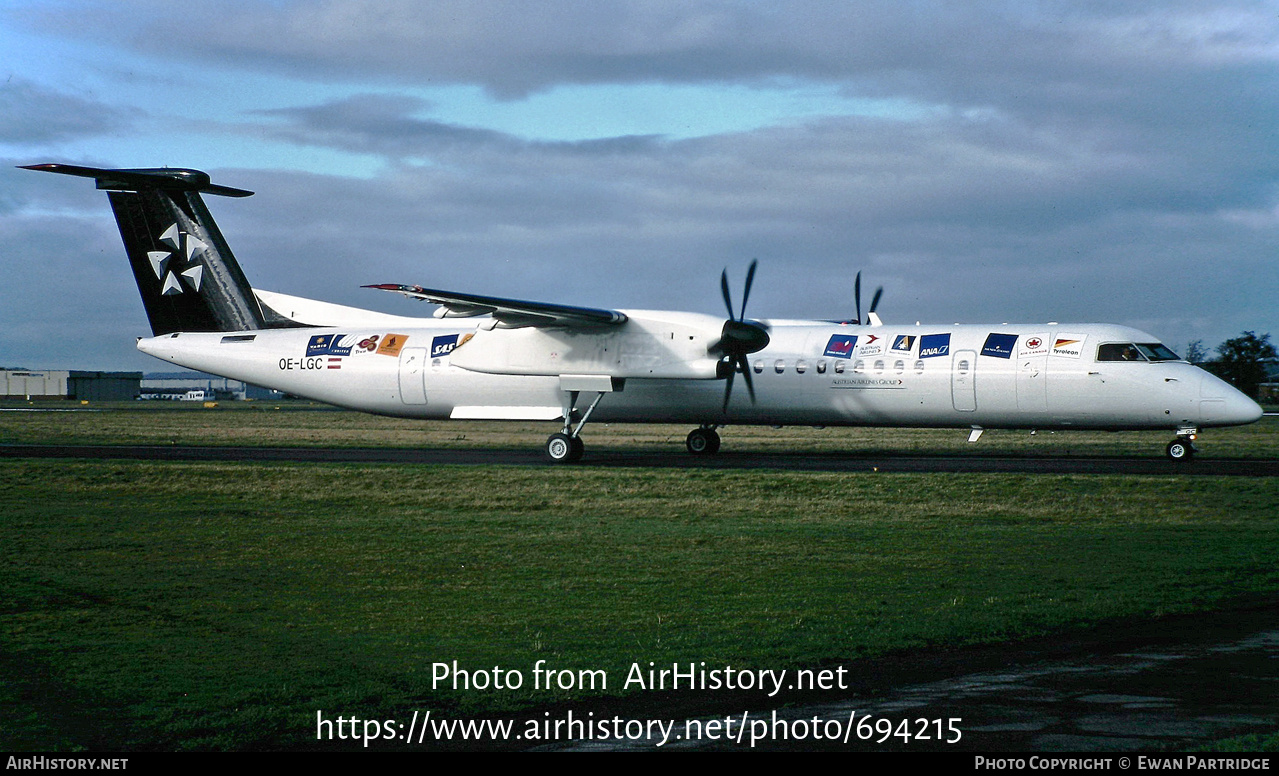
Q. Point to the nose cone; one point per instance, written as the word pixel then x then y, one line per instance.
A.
pixel 1221 404
pixel 1241 410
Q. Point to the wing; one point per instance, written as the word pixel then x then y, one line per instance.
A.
pixel 510 313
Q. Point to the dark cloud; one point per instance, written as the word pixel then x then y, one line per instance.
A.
pixel 32 115
pixel 992 50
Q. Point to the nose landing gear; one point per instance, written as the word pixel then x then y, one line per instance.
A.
pixel 1183 447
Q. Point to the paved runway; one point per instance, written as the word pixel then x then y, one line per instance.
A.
pixel 797 461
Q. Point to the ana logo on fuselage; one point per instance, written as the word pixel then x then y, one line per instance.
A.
pixel 934 345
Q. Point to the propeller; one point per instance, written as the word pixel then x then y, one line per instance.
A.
pixel 739 337
pixel 857 297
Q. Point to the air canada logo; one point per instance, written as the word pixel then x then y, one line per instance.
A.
pixel 177 268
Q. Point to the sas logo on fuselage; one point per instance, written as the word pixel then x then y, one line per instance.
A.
pixel 934 345
pixel 841 346
pixel 442 346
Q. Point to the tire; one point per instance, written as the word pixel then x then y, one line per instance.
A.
pixel 1180 450
pixel 561 448
pixel 702 441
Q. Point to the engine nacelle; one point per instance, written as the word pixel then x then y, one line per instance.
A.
pixel 649 345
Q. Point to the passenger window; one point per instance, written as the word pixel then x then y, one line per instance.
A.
pixel 963 367
pixel 859 367
pixel 840 366
pixel 759 367
pixel 821 367
pixel 801 366
pixel 899 367
pixel 879 367
pixel 919 367
pixel 779 366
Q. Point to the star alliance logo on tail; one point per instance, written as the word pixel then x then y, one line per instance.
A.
pixel 166 263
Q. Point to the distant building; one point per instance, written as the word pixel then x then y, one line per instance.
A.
pixel 184 385
pixel 47 384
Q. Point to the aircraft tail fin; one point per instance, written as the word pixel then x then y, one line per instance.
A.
pixel 186 273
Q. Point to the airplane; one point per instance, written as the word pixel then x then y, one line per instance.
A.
pixel 489 358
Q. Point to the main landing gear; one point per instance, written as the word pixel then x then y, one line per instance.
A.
pixel 703 441
pixel 567 446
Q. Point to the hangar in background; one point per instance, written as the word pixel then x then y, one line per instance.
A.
pixel 53 384
pixel 161 385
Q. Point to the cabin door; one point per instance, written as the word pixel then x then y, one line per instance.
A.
pixel 963 380
pixel 413 375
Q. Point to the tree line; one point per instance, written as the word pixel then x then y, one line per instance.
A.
pixel 1242 361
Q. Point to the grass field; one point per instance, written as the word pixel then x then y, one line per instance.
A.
pixel 158 605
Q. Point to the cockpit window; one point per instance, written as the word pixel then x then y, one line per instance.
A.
pixel 1119 351
pixel 1128 351
pixel 1157 352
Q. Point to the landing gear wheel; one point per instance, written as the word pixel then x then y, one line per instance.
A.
pixel 562 448
pixel 1180 449
pixel 702 441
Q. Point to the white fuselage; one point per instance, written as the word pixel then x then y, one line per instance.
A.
pixel 811 373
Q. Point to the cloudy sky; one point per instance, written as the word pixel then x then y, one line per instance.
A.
pixel 983 161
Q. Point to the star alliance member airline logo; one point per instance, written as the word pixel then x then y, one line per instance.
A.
pixel 934 345
pixel 167 265
pixel 330 345
pixel 840 346
pixel 1000 345
pixel 1069 345
pixel 442 346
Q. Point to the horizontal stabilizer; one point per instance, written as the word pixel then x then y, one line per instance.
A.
pixel 166 178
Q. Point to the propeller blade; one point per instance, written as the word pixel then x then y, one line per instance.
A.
pixel 750 278
pixel 746 375
pixel 728 298
pixel 728 388
pixel 857 295
pixel 739 338
pixel 875 301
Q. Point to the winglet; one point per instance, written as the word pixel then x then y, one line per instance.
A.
pixel 167 178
